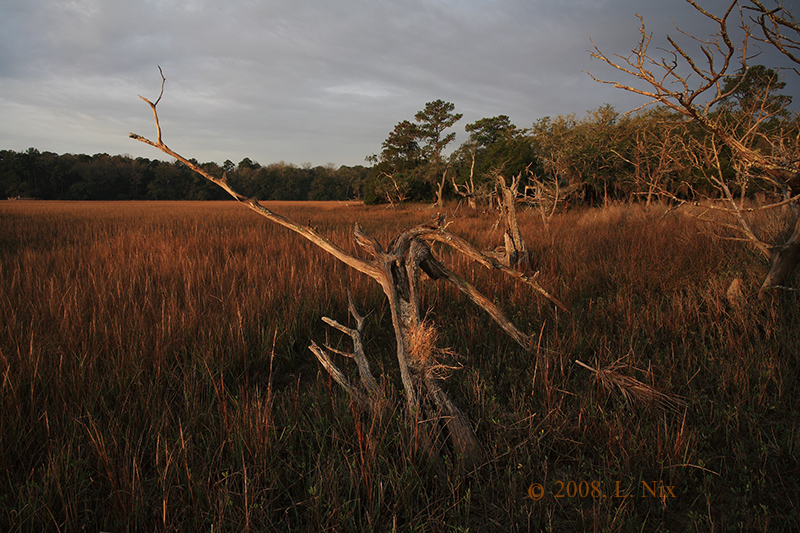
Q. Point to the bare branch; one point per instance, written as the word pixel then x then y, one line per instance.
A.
pixel 367 379
pixel 754 151
pixel 773 24
pixel 457 243
pixel 338 376
pixel 486 304
pixel 309 233
pixel 745 227
pixel 154 104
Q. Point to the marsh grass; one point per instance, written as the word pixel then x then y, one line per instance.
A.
pixel 155 376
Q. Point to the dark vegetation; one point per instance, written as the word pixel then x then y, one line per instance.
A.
pixel 49 176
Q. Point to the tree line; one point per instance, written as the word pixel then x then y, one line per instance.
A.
pixel 601 156
pixel 645 155
pixel 49 176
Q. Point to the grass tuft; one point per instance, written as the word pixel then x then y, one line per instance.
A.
pixel 633 390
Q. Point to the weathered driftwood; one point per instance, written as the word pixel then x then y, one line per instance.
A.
pixel 397 271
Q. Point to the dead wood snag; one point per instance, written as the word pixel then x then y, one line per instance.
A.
pixel 396 269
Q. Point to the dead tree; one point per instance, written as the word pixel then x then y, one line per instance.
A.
pixel 691 88
pixel 513 251
pixel 396 268
pixel 656 156
pixel 782 30
pixel 469 188
pixel 440 190
pixel 545 195
pixel 396 193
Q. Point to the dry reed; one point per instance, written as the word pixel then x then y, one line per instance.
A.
pixel 154 376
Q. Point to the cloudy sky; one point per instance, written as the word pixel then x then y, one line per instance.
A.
pixel 314 81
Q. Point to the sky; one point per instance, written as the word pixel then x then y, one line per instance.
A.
pixel 307 81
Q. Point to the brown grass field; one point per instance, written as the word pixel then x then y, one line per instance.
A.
pixel 155 376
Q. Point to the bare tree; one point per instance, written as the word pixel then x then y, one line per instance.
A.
pixel 440 190
pixel 468 191
pixel 396 268
pixel 691 86
pixel 395 193
pixel 513 252
pixel 543 196
pixel 655 153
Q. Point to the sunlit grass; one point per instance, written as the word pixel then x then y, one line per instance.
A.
pixel 155 376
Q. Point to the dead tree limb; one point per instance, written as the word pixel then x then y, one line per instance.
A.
pixel 779 27
pixel 396 268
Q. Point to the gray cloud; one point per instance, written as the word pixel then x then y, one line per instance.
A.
pixel 302 81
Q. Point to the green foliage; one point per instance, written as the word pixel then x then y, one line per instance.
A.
pixel 754 91
pixel 584 151
pixel 401 149
pixel 489 131
pixel 499 145
pixel 433 121
pixel 410 161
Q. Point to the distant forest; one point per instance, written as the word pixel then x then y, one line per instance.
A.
pixel 655 153
pixel 49 176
